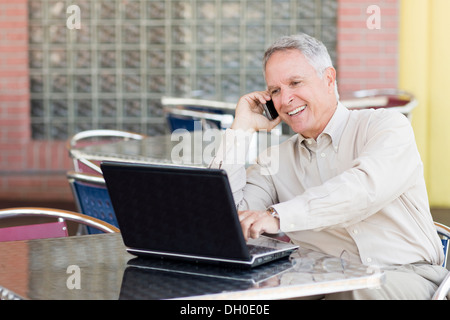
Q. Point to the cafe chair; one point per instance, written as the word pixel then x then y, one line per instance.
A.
pixel 91 197
pixel 94 137
pixel 184 113
pixel 444 233
pixel 444 289
pixel 393 99
pixel 48 229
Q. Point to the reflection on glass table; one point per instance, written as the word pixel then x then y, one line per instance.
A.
pixel 98 267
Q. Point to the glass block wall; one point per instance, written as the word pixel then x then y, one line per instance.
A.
pixel 112 72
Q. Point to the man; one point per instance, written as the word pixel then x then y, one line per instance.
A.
pixel 349 182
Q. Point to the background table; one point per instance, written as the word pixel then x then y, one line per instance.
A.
pixel 43 269
pixel 183 148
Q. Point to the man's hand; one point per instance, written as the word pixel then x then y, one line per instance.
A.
pixel 254 223
pixel 249 113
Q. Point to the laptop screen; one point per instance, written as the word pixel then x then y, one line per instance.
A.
pixel 175 210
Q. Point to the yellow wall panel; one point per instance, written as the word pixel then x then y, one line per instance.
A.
pixel 424 66
pixel 413 62
pixel 439 129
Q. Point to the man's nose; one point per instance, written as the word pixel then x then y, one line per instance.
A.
pixel 286 97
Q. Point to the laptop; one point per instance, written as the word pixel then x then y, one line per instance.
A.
pixel 184 213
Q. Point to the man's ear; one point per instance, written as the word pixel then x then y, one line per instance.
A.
pixel 330 78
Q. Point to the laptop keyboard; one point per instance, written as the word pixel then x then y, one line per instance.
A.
pixel 258 249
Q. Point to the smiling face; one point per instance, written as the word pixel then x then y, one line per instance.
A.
pixel 305 101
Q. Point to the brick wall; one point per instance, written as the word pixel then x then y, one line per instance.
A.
pixel 367 57
pixel 31 170
pixel 14 95
pixel 28 170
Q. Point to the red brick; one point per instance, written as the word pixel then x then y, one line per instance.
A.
pixel 349 11
pixel 18 10
pixel 389 62
pixel 25 181
pixel 19 137
pixel 13 122
pixel 13 97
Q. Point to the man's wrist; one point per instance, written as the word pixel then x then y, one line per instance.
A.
pixel 236 125
pixel 272 212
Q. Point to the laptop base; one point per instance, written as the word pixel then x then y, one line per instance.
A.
pixel 267 245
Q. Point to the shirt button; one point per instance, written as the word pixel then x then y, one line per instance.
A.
pixel 369 260
pixel 355 231
pixel 323 155
pixel 309 142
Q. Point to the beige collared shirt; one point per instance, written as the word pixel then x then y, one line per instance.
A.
pixel 357 191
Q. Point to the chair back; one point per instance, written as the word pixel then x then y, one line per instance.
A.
pixel 444 233
pixel 393 99
pixel 183 113
pixel 92 197
pixel 93 137
pixel 46 230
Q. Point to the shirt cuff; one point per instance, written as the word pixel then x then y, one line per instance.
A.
pixel 291 220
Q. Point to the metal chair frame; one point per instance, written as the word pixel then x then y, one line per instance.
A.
pixel 443 290
pixel 216 105
pixel 90 135
pixel 61 215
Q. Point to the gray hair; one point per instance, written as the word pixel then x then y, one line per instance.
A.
pixel 314 51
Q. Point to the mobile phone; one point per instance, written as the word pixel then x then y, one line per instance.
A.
pixel 270 111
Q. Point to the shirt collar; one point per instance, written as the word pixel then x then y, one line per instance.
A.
pixel 335 126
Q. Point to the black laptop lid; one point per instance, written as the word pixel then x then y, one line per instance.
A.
pixel 175 210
